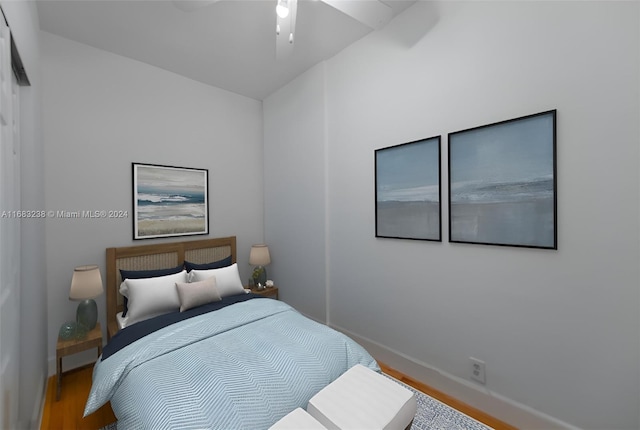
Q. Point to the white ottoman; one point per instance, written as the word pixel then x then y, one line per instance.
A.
pixel 363 399
pixel 298 419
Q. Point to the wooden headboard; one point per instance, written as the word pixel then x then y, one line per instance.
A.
pixel 158 256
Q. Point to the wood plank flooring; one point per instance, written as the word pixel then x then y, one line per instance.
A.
pixel 445 398
pixel 66 414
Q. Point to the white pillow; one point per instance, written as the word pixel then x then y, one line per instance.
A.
pixel 150 297
pixel 228 281
pixel 199 293
pixel 124 290
pixel 122 321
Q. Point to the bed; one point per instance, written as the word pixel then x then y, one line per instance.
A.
pixel 243 361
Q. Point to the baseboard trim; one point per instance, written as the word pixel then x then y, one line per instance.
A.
pixel 492 403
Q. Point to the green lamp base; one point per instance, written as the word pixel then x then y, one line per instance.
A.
pixel 260 276
pixel 87 314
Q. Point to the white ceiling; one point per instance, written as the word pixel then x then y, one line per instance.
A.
pixel 230 44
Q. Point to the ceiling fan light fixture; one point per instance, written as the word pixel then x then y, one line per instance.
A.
pixel 282 8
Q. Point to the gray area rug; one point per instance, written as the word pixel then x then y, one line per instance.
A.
pixel 431 414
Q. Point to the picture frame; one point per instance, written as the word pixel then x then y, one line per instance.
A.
pixel 407 191
pixel 169 201
pixel 503 183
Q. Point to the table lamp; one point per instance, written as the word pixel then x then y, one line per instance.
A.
pixel 86 285
pixel 259 256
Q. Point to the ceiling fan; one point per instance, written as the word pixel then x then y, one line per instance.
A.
pixel 373 13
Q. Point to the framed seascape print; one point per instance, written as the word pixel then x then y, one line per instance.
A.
pixel 169 201
pixel 502 183
pixel 407 187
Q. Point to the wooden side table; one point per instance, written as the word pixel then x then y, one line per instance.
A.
pixel 267 292
pixel 73 346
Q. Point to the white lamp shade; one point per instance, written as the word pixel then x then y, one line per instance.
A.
pixel 86 283
pixel 259 255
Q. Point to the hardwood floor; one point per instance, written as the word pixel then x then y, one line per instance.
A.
pixel 66 414
pixel 445 398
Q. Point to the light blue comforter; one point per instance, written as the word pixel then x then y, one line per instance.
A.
pixel 241 367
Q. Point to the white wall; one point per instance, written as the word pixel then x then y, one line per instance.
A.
pixel 559 330
pixel 23 21
pixel 101 112
pixel 295 192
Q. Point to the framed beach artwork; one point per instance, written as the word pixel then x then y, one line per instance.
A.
pixel 169 201
pixel 407 190
pixel 502 183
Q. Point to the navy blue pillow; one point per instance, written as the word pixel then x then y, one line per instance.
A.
pixel 140 274
pixel 214 265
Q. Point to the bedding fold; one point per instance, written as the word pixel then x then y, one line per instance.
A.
pixel 143 328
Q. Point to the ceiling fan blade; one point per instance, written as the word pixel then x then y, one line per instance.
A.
pixel 285 38
pixel 372 13
pixel 191 5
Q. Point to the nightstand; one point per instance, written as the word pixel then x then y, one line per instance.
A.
pixel 267 292
pixel 73 346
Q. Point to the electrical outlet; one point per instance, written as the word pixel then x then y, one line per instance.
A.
pixel 477 370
